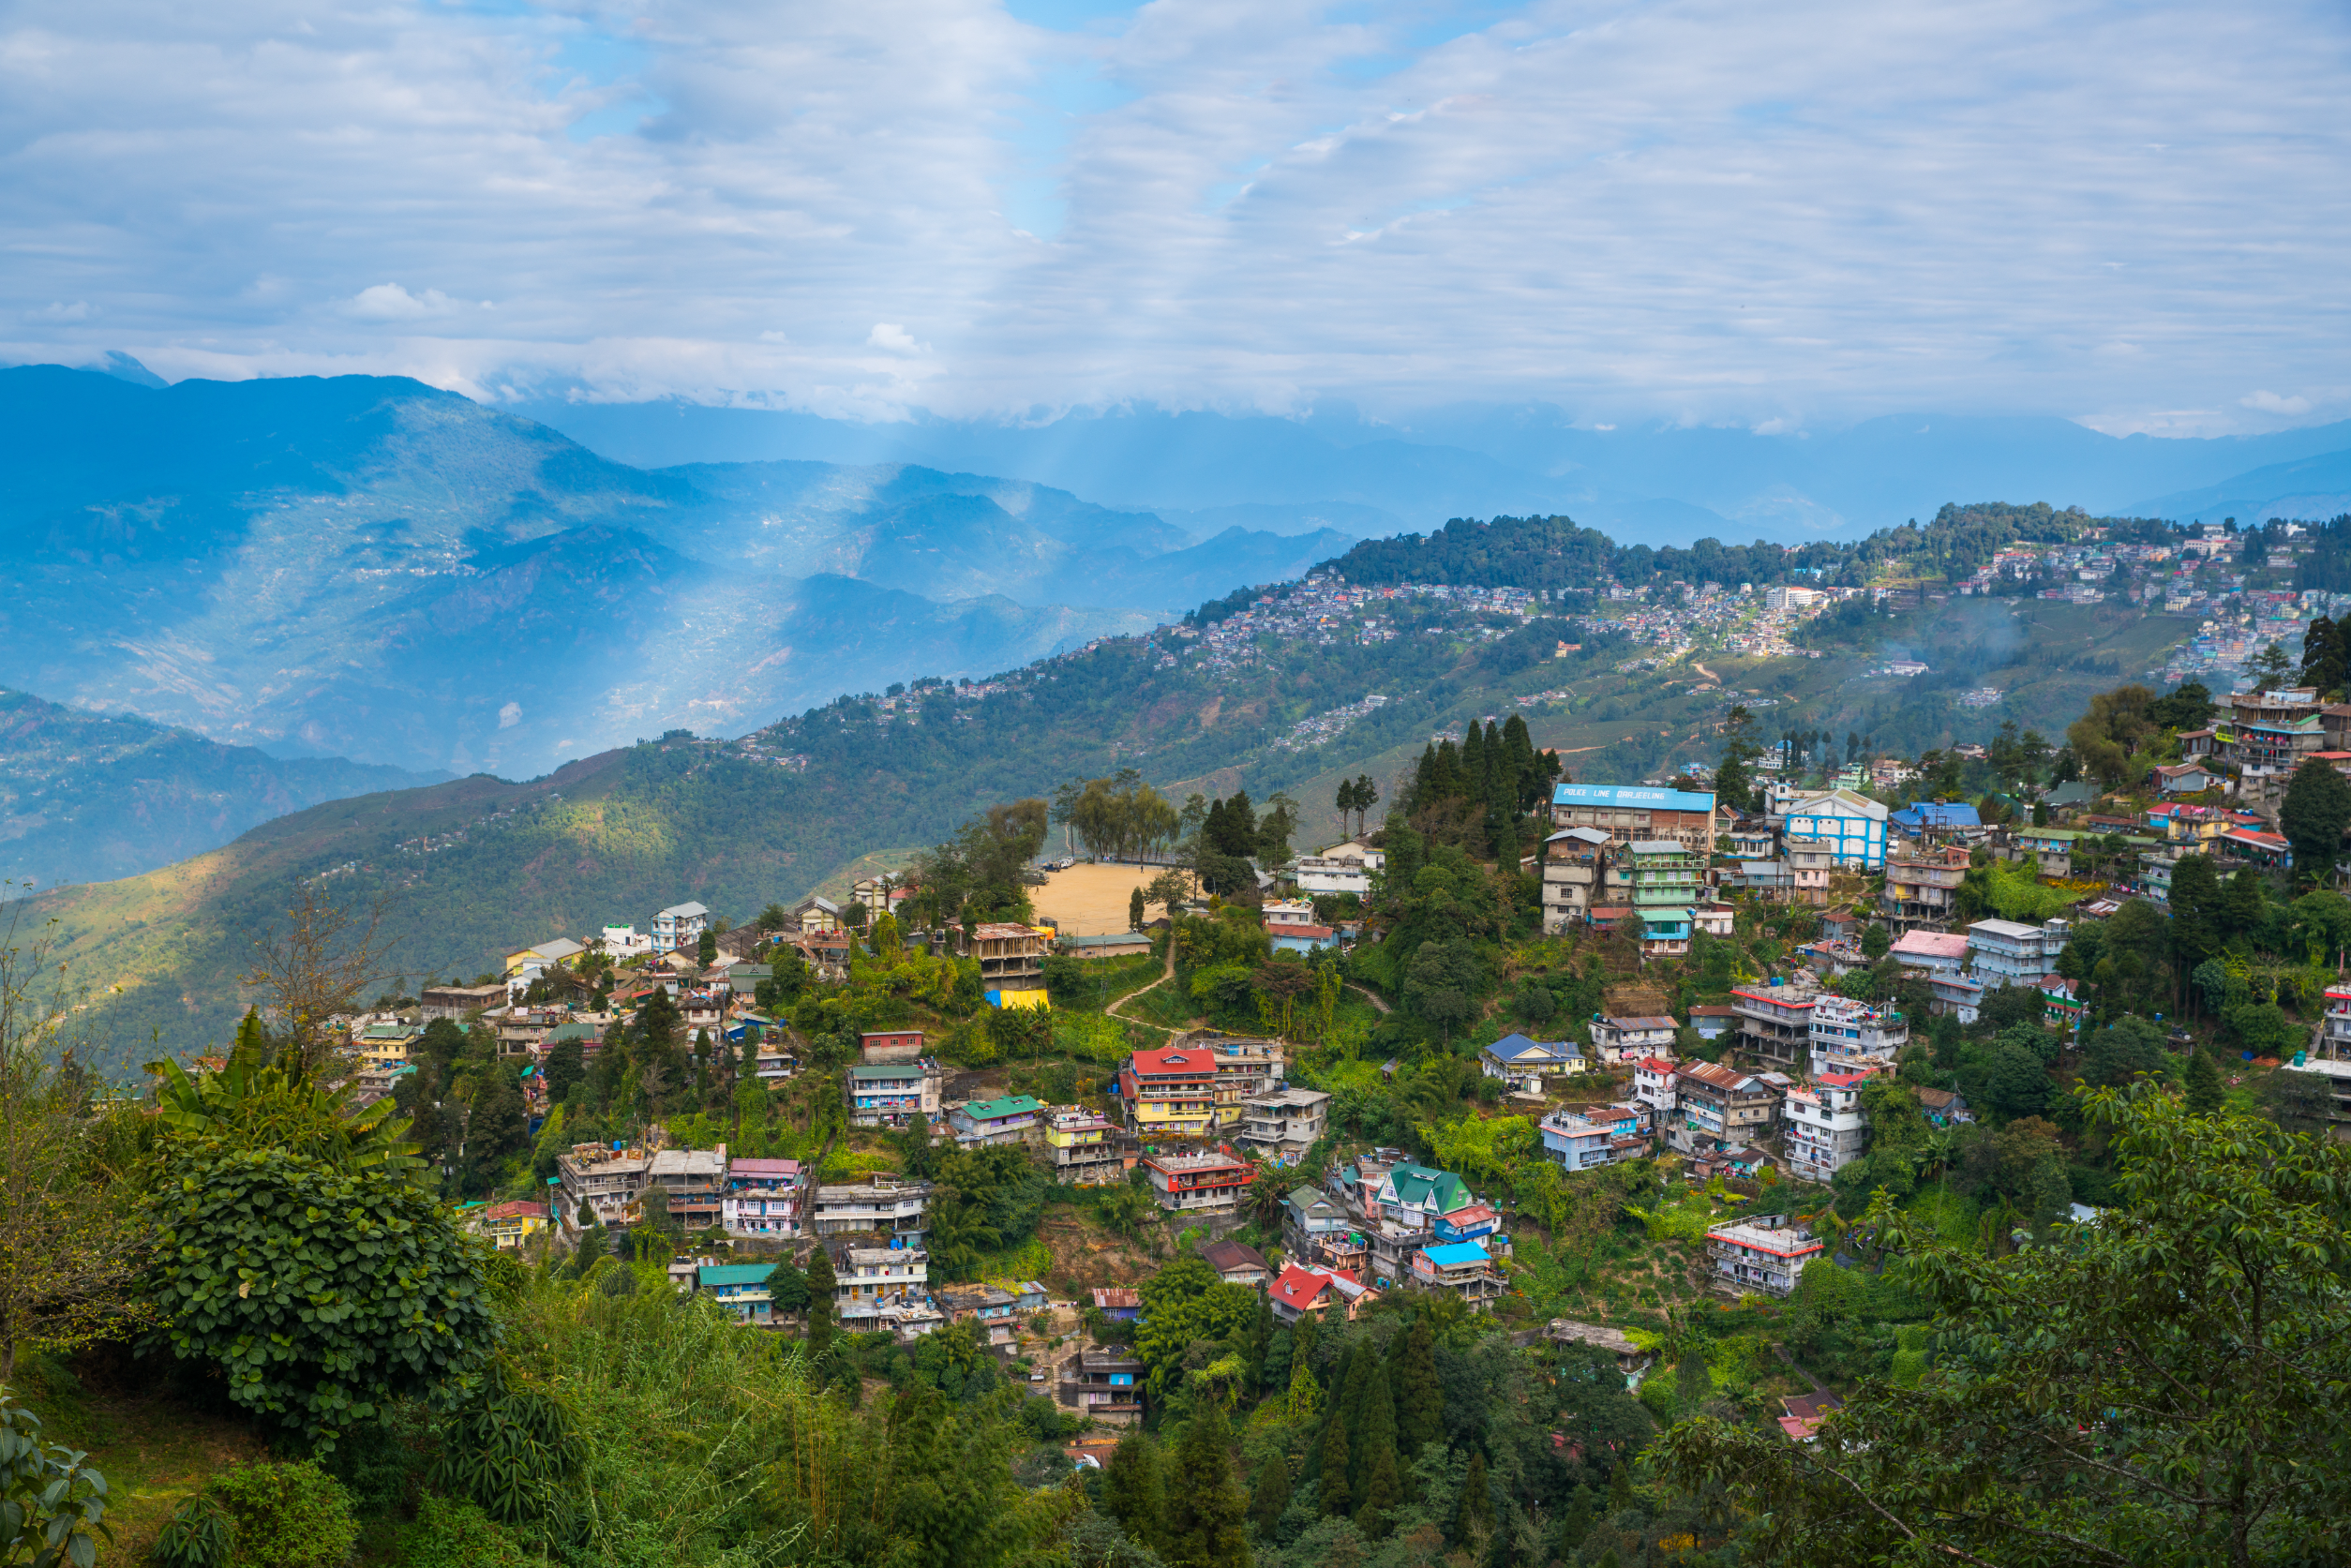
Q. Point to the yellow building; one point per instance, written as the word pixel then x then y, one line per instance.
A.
pixel 508 1226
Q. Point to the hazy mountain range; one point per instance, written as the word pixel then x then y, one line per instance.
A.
pixel 1654 483
pixel 375 569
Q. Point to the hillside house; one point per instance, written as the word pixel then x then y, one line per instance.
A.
pixel 509 1226
pixel 2007 952
pixel 1304 1288
pixel 1774 1023
pixel 1628 812
pixel 1283 1125
pixel 1083 1148
pixel 881 1286
pixel 1626 1038
pixel 1652 1085
pixel 987 1122
pixel 1415 1195
pixel 1236 1265
pixel 987 1307
pixel 1012 964
pixel 877 1046
pixel 1854 1037
pixel 1764 1255
pixel 1827 1128
pixel 1169 1093
pixel 1308 1215
pixel 880 1203
pixel 1718 1108
pixel 1107 1386
pixel 1460 1269
pixel 762 1198
pixel 892 1094
pixel 1572 870
pixel 1210 1183
pixel 1120 1303
pixel 1851 827
pixel 739 1288
pixel 1522 1064
pixel 453 1002
pixel 680 925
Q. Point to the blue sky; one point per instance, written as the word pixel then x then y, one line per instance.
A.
pixel 2130 214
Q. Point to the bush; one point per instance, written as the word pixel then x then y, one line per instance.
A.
pixel 286 1515
pixel 449 1533
pixel 197 1535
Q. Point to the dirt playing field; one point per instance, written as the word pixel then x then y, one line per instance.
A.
pixel 1088 901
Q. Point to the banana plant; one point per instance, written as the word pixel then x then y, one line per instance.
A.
pixel 251 1103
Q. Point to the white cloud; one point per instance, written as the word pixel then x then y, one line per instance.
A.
pixel 389 302
pixel 2269 402
pixel 1695 208
pixel 60 312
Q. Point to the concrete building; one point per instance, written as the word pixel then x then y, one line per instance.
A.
pixel 1572 871
pixel 762 1198
pixel 1851 827
pixel 1522 1064
pixel 1827 1128
pixel 878 1284
pixel 1107 1385
pixel 1922 883
pixel 2007 952
pixel 881 1204
pixel 1012 964
pixel 1083 1148
pixel 986 1123
pixel 892 1094
pixel 1208 1183
pixel 1283 1125
pixel 1630 812
pixel 1718 1108
pixel 1462 1269
pixel 680 925
pixel 1653 1086
pixel 1775 1025
pixel 1854 1037
pixel 1761 1256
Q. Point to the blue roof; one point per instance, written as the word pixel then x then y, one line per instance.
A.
pixel 1457 1252
pixel 1511 1046
pixel 1631 794
pixel 1937 813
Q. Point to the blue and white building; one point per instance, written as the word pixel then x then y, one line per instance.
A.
pixel 1851 827
pixel 1630 812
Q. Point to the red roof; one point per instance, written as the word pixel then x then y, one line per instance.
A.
pixel 1654 1063
pixel 764 1167
pixel 1300 1288
pixel 1175 1061
pixel 517 1210
pixel 1313 933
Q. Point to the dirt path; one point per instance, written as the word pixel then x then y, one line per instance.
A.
pixel 1112 1010
pixel 1707 673
pixel 1370 996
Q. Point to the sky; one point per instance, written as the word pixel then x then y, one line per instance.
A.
pixel 2135 215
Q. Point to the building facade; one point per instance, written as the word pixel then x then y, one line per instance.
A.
pixel 1628 812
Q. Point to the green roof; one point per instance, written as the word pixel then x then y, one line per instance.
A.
pixel 1416 1183
pixel 571 1032
pixel 995 1109
pixel 1307 1197
pixel 887 1069
pixel 734 1274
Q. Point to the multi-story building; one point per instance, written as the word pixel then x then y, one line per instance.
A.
pixel 1663 876
pixel 1630 1036
pixel 1283 1125
pixel 2328 1059
pixel 1572 870
pixel 876 1046
pixel 1462 1269
pixel 1630 812
pixel 1210 1183
pixel 1853 1037
pixel 1921 887
pixel 1809 862
pixel 1652 1085
pixel 680 925
pixel 2007 952
pixel 1827 1128
pixel 605 1179
pixel 1011 963
pixel 508 1226
pixel 984 1123
pixel 693 1182
pixel 1718 1108
pixel 1308 1216
pixel 880 1203
pixel 2050 849
pixel 1107 1385
pixel 1304 1288
pixel 1851 827
pixel 878 1282
pixel 1775 1025
pixel 739 1288
pixel 762 1198
pixel 1169 1093
pixel 1082 1147
pixel 1579 1143
pixel 2267 735
pixel 989 1309
pixel 453 1002
pixel 892 1093
pixel 1761 1256
pixel 1416 1195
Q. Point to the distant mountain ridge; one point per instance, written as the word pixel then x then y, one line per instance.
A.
pixel 91 797
pixel 372 568
pixel 1651 483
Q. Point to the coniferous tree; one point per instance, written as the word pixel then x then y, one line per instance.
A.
pixel 566 1065
pixel 1378 1476
pixel 1134 1491
pixel 1270 1495
pixel 1136 912
pixel 1335 1497
pixel 1419 1396
pixel 1620 1486
pixel 822 1284
pixel 2205 1094
pixel 1475 1519
pixel 1205 1513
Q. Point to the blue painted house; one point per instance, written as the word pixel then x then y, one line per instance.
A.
pixel 1849 826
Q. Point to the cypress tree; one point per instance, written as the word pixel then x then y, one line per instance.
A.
pixel 1134 1491
pixel 1270 1496
pixel 1474 1520
pixel 1419 1396
pixel 1379 1483
pixel 1474 771
pixel 1335 1497
pixel 1620 1486
pixel 1518 746
pixel 1205 1514
pixel 822 1283
pixel 2205 1092
pixel 1449 773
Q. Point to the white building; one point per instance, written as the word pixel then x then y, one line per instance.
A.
pixel 1851 827
pixel 1653 1085
pixel 1827 1128
pixel 680 925
pixel 1619 1039
pixel 1322 873
pixel 1853 1037
pixel 2005 952
pixel 623 941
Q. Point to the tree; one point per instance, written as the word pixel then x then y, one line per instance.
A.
pixel 1440 983
pixel 566 1065
pixel 706 948
pixel 1271 1493
pixel 2205 1094
pixel 322 1295
pixel 1134 1490
pixel 1205 1509
pixel 2326 658
pixel 2271 668
pixel 2123 1049
pixel 1875 941
pixel 1372 1434
pixel 1474 1521
pixel 53 1506
pixel 823 1286
pixel 1419 1396
pixel 315 967
pixel 1136 910
pixel 2177 1401
pixel 2188 707
pixel 2316 809
pixel 2109 739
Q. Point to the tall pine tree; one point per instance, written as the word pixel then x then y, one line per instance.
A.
pixel 1378 1476
pixel 1206 1510
pixel 1419 1396
pixel 1134 1491
pixel 1475 1519
pixel 822 1284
